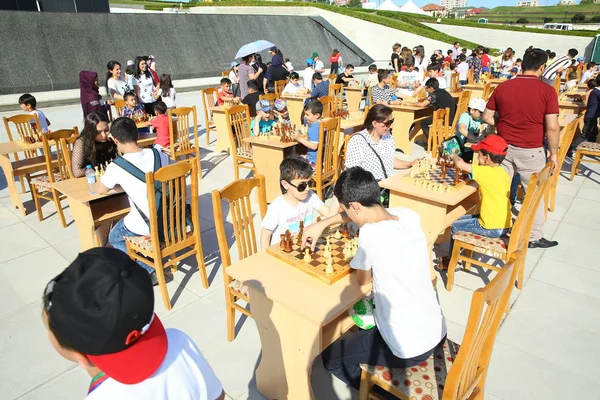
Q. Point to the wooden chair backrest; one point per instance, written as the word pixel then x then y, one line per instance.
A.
pixel 466 378
pixel 119 106
pixel 182 119
pixel 269 96
pixel 566 137
pixel 279 86
pixel 328 150
pixel 209 99
pixel 471 76
pixel 538 185
pixel 342 155
pixel 237 194
pixel 556 84
pixel 28 130
pixel 461 107
pixel 440 130
pixel 454 83
pixel 331 78
pixel 327 105
pixel 58 139
pixel 335 92
pixel 487 91
pixel 172 181
pixel 394 82
pixel 370 95
pixel 580 69
pixel 225 73
pixel 238 124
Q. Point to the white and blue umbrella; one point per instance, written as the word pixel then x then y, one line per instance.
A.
pixel 254 47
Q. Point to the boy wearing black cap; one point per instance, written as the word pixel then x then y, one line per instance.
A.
pixel 99 313
pixel 495 218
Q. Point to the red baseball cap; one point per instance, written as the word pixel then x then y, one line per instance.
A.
pixel 102 305
pixel 493 144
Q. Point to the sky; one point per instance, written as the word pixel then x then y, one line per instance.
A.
pixel 479 3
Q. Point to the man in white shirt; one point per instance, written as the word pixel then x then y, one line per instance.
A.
pixel 558 66
pixel 410 79
pixel 99 313
pixel 307 74
pixel 392 252
pixel 124 133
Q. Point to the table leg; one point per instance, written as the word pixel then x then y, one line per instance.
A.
pixel 223 142
pixel 400 130
pixel 10 182
pixel 295 108
pixel 82 214
pixel 290 344
pixel 267 161
pixel 353 98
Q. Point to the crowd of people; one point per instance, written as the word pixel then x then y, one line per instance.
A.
pixel 121 342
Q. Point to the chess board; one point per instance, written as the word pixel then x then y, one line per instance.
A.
pixel 316 267
pixel 435 180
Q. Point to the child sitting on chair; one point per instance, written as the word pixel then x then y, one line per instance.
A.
pixel 495 217
pixel 264 121
pixel 297 203
pixel 161 126
pixel 281 111
pixel 133 109
pixel 28 103
pixel 313 110
pixel 392 253
pixel 225 93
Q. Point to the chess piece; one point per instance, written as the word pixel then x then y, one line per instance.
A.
pixel 439 159
pixel 443 175
pixel 327 251
pixel 337 234
pixel 345 232
pixel 456 176
pixel 329 266
pixel 307 258
pixel 282 242
pixel 287 247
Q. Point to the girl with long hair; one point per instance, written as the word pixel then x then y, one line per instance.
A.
pixel 336 62
pixel 506 63
pixel 144 85
pixel 93 146
pixel 421 61
pixel 234 77
pixel 166 91
pixel 115 85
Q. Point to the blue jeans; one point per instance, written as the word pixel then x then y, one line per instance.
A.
pixel 116 238
pixel 514 188
pixel 470 223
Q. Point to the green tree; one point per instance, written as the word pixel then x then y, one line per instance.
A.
pixel 522 21
pixel 548 19
pixel 596 18
pixel 586 2
pixel 355 4
pixel 578 18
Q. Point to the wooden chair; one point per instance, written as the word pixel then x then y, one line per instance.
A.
pixel 471 76
pixel 181 147
pixel 335 92
pixel 27 127
pixel 237 194
pixel 394 82
pixel 369 98
pixel 327 105
pixel 209 99
pixel 580 70
pixel 279 86
pixel 271 97
pixel 487 91
pixel 225 73
pixel 585 149
pixel 326 169
pixel 557 81
pixel 238 125
pixel 502 248
pixel 181 242
pixel 461 107
pixel 58 168
pixel 331 78
pixel 119 106
pixel 454 83
pixel 565 140
pixel 342 156
pixel 439 130
pixel 450 374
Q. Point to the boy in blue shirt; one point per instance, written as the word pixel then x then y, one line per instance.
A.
pixel 263 122
pixel 313 110
pixel 468 127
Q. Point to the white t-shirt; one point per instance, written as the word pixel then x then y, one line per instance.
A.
pixel 170 99
pixel 410 78
pixel 307 75
pixel 135 189
pixel 291 88
pixel 42 118
pixel 407 312
pixel 462 69
pixel 233 77
pixel 146 88
pixel 282 216
pixel 288 65
pixel 319 65
pixel 116 86
pixel 183 375
pixel 442 82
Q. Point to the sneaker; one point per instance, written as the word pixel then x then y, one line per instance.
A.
pixel 543 243
pixel 153 278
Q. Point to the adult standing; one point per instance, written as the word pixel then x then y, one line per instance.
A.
pixel 336 62
pixel 144 85
pixel 261 79
pixel 276 72
pixel 234 78
pixel 506 62
pixel 523 125
pixel 276 55
pixel 475 63
pixel 246 72
pixel 89 93
pixel 115 85
pixel 396 60
pixel 456 51
pixel 558 66
pixel 421 60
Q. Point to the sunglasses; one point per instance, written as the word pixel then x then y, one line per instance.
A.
pixel 301 187
pixel 389 123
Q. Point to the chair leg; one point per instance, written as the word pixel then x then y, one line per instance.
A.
pixel 521 273
pixel 467 264
pixel 36 201
pixel 575 165
pixel 59 209
pixel 229 300
pixel 553 196
pixel 236 170
pixel 200 261
pixel 452 265
pixel 365 385
pixel 22 180
pixel 162 283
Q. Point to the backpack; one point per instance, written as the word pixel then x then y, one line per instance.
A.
pixel 158 195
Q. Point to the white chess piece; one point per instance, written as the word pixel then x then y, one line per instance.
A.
pixel 307 257
pixel 337 234
pixel 329 266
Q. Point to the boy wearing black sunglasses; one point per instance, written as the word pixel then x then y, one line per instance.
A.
pixel 297 203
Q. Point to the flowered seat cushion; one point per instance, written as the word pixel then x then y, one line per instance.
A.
pixel 589 146
pixel 239 287
pixel 424 381
pixel 42 182
pixel 244 153
pixel 493 247
pixel 143 242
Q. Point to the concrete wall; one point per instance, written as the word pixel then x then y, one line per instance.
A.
pixel 519 41
pixel 46 51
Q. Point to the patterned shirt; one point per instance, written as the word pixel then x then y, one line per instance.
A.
pixel 363 151
pixel 382 94
pixel 475 63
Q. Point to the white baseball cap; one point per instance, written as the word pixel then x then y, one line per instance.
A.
pixel 477 104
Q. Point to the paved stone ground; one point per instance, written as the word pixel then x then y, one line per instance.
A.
pixel 545 348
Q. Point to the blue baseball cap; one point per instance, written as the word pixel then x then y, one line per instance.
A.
pixel 280 104
pixel 309 61
pixel 263 105
pixel 234 64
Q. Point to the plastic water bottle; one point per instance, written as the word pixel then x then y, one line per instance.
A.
pixel 90 177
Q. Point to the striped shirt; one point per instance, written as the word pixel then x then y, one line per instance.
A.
pixel 561 62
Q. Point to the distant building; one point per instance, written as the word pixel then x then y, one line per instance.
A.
pixel 435 10
pixel 341 2
pixel 532 3
pixel 566 3
pixel 474 11
pixel 451 4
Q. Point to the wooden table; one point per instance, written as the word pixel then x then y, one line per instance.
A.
pixel 223 143
pixel 93 213
pixel 437 210
pixel 404 116
pixel 268 152
pixel 570 106
pixel 297 317
pixel 295 106
pixel 146 140
pixel 475 88
pixel 22 167
pixel 353 97
pixel 349 126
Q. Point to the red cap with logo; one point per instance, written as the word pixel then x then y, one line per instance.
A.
pixel 492 144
